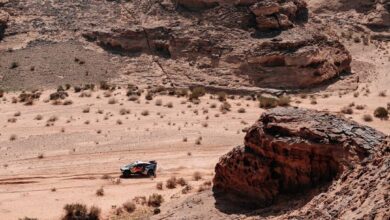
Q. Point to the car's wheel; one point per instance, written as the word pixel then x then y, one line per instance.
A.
pixel 151 173
pixel 126 173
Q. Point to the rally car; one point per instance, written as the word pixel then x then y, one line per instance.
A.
pixel 140 168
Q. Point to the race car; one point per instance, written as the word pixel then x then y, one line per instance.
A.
pixel 140 168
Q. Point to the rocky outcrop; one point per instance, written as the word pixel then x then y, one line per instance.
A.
pixel 4 17
pixel 291 63
pixel 292 150
pixel 269 14
pixel 379 16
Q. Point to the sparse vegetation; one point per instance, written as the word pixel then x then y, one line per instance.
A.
pixel 155 200
pixel 100 192
pixel 145 113
pixel 171 183
pixel 80 211
pixel 197 176
pixel 158 102
pixel 381 113
pixel 13 137
pixel 367 118
pixel 159 185
pixel 129 206
pixel 197 92
pixel 347 110
pixel 241 110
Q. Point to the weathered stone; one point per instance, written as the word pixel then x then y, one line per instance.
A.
pixel 291 150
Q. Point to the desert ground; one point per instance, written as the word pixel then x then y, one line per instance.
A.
pixel 70 150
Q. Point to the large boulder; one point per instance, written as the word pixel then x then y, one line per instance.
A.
pixel 291 150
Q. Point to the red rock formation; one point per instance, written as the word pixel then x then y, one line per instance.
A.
pixel 292 150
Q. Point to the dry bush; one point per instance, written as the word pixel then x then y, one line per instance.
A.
pixel 106 177
pixel 52 119
pixel 221 96
pixel 360 107
pixel 155 200
pixel 185 139
pixel 145 113
pixel 284 101
pixel 181 181
pixel 187 188
pixel 149 96
pixel 198 141
pixel 171 183
pixel 158 102
pixel 347 110
pixel 205 124
pixel 17 114
pixel 205 186
pixel 197 176
pixel 159 185
pixel 313 102
pixel 38 117
pixel 225 107
pixel 100 192
pixel 356 94
pixel 86 110
pixel 241 110
pixel 169 105
pixel 77 211
pixel 124 111
pixel 382 94
pixel 40 156
pixel 13 137
pixel 112 101
pixel 67 102
pixel 381 113
pixel 129 206
pixel 267 102
pixel 367 118
pixel 213 105
pixel 133 98
pixel 12 120
pixel 197 92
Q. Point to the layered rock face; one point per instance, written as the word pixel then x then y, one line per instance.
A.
pixel 269 14
pixel 294 150
pixel 4 17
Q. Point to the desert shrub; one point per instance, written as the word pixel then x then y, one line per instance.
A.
pixel 149 96
pixel 129 206
pixel 360 107
pixel 80 211
pixel 158 102
pixel 27 218
pixel 181 181
pixel 169 105
pixel 187 188
pixel 86 110
pixel 382 93
pixel 225 107
pixel 284 101
pixel 67 102
pixel 104 85
pixel 241 110
pixel 181 92
pixel 58 95
pixel 40 156
pixel 347 110
pixel 198 141
pixel 14 65
pixel 77 89
pixel 221 96
pixel 155 200
pixel 313 102
pixel 197 176
pixel 119 122
pixel 100 192
pixel 52 119
pixel 205 124
pixel 145 113
pixel 367 118
pixel 112 101
pixel 205 186
pixel 133 98
pixel 213 105
pixel 12 137
pixel 38 117
pixel 356 94
pixel 185 139
pixel 159 185
pixel 124 111
pixel 106 177
pixel 267 102
pixel 381 112
pixel 197 92
pixel 171 183
pixel 12 120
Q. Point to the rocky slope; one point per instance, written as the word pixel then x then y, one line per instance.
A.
pixel 289 152
pixel 217 44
